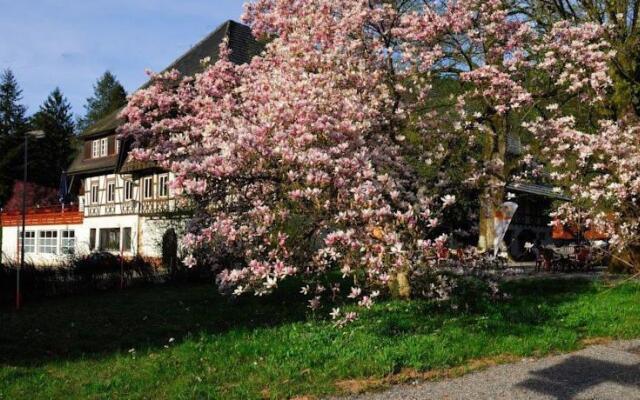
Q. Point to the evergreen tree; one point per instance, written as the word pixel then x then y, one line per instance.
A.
pixel 108 96
pixel 53 153
pixel 13 124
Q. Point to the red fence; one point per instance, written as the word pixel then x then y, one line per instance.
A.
pixel 44 216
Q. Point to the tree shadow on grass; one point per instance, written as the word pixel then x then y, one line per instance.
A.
pixel 97 325
pixel 577 374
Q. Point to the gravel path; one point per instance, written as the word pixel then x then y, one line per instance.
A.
pixel 603 372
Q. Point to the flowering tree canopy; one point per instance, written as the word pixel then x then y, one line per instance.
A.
pixel 296 160
pixel 601 171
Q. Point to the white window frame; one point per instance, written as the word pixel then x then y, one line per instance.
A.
pixel 103 246
pixel 48 242
pixel 163 188
pixel 94 199
pixel 122 241
pixel 117 146
pixel 111 191
pixel 128 190
pixel 29 242
pixel 147 186
pixel 104 147
pixel 67 241
pixel 95 149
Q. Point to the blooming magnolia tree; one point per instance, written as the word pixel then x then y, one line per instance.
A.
pixel 296 160
pixel 601 171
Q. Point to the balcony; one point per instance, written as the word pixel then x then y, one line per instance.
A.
pixel 43 216
pixel 147 207
pixel 151 207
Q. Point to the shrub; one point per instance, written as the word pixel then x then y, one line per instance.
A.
pixel 85 274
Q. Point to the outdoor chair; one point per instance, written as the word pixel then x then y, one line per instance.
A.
pixel 547 259
pixel 539 260
pixel 583 258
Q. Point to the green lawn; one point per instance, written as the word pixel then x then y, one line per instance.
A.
pixel 118 345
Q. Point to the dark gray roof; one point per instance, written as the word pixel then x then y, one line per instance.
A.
pixel 92 166
pixel 104 125
pixel 242 44
pixel 243 47
pixel 538 190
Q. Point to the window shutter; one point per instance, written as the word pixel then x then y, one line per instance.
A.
pixel 87 149
pixel 111 145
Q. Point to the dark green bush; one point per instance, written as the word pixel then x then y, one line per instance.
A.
pixel 94 272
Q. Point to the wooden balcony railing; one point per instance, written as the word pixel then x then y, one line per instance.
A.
pixel 146 207
pixel 43 216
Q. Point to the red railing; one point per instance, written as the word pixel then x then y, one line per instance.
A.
pixel 560 231
pixel 43 216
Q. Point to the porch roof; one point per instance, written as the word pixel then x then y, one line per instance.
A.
pixel 536 189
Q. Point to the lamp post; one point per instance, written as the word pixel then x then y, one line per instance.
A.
pixel 36 135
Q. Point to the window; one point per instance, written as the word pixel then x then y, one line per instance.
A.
pixel 95 149
pixel 148 187
pixel 104 147
pixel 110 239
pixel 92 239
pixel 111 191
pixel 67 242
pixel 47 242
pixel 29 242
pixel 128 190
pixel 163 185
pixel 95 194
pixel 126 239
pixel 117 146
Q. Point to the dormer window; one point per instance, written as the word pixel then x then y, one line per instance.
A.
pixel 99 148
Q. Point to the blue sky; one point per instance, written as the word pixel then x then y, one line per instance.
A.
pixel 70 43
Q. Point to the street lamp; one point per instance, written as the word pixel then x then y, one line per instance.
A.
pixel 36 135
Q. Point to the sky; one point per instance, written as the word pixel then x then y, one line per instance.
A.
pixel 70 43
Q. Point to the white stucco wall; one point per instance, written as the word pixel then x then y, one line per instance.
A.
pixel 153 229
pixel 10 240
pixel 146 237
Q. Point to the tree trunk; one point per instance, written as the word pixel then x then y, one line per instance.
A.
pixel 399 286
pixel 492 197
pixel 493 192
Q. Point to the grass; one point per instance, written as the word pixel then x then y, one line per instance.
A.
pixel 119 345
